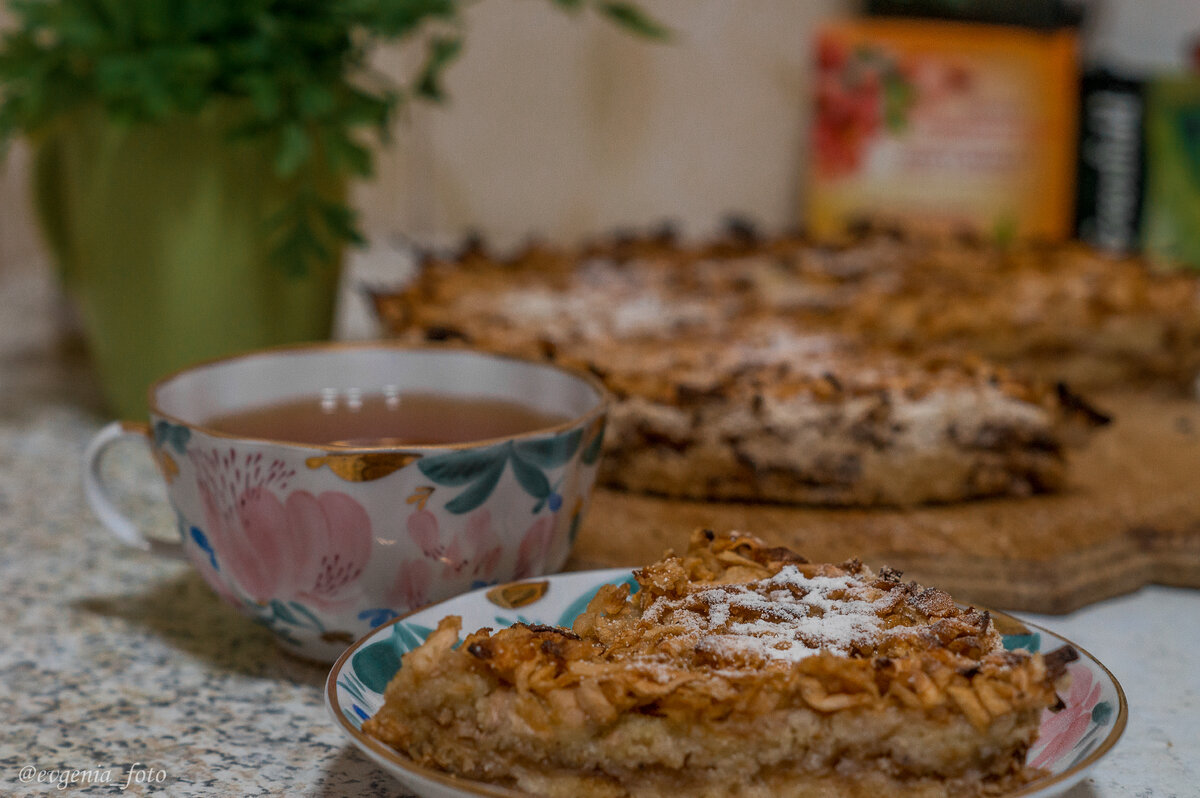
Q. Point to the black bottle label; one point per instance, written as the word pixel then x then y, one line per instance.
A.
pixel 1112 162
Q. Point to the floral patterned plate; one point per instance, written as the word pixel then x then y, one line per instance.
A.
pixel 1071 740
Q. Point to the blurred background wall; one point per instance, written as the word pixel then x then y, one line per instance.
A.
pixel 562 129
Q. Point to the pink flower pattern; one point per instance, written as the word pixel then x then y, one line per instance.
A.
pixel 307 548
pixel 1062 730
pixel 534 548
pixel 476 550
pixel 411 587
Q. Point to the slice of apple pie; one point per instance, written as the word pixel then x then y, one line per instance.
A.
pixel 736 669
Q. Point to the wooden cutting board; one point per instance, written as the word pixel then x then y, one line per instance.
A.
pixel 1130 517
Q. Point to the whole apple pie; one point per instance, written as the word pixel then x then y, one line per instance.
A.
pixel 736 669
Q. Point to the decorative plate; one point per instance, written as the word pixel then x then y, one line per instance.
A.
pixel 1071 740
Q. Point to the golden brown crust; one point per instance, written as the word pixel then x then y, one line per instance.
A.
pixel 777 371
pixel 728 640
pixel 1066 311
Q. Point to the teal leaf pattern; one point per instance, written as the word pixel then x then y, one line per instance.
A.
pixel 531 478
pixel 174 435
pixel 478 471
pixel 283 618
pixel 376 664
pixel 353 686
pixel 1030 642
pixel 283 612
pixel 271 623
pixel 550 452
pixel 479 492
pixel 309 618
pixel 463 467
pixel 411 635
pixel 372 667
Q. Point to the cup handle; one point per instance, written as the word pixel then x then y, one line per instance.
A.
pixel 97 493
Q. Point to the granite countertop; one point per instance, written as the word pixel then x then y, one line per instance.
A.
pixel 121 665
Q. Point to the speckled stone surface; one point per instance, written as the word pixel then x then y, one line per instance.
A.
pixel 111 658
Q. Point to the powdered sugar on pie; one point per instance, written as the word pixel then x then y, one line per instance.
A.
pixel 777 371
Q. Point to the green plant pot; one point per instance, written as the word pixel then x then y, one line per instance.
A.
pixel 159 234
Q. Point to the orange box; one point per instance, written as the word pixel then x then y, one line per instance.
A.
pixel 944 127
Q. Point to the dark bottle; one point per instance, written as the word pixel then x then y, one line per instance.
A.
pixel 1112 161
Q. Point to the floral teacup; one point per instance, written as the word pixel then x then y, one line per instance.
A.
pixel 321 543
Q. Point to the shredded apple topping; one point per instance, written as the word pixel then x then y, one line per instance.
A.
pixel 890 373
pixel 783 677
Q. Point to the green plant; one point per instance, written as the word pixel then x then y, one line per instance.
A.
pixel 296 69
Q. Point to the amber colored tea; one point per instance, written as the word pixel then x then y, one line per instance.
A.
pixel 384 419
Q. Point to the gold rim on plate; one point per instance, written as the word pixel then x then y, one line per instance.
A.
pixel 473 787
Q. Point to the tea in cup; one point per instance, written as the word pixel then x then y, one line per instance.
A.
pixel 325 489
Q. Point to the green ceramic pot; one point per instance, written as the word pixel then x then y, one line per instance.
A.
pixel 159 234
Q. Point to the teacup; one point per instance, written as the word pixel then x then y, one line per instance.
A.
pixel 322 542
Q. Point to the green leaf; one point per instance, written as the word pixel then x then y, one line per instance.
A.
pixel 402 17
pixel 294 150
pixel 464 466
pixel 479 492
pixel 282 612
pixel 353 688
pixel 311 619
pixel 376 664
pixel 173 435
pixel 314 101
pixel 422 632
pixel 298 245
pixel 403 636
pixel 442 50
pixel 531 478
pixel 264 95
pixel 363 108
pixel 550 452
pixel 151 20
pixel 347 155
pixel 120 17
pixel 301 70
pixel 340 223
pixel 1030 642
pixel 632 18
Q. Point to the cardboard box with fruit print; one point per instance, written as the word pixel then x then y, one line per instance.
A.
pixel 943 127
